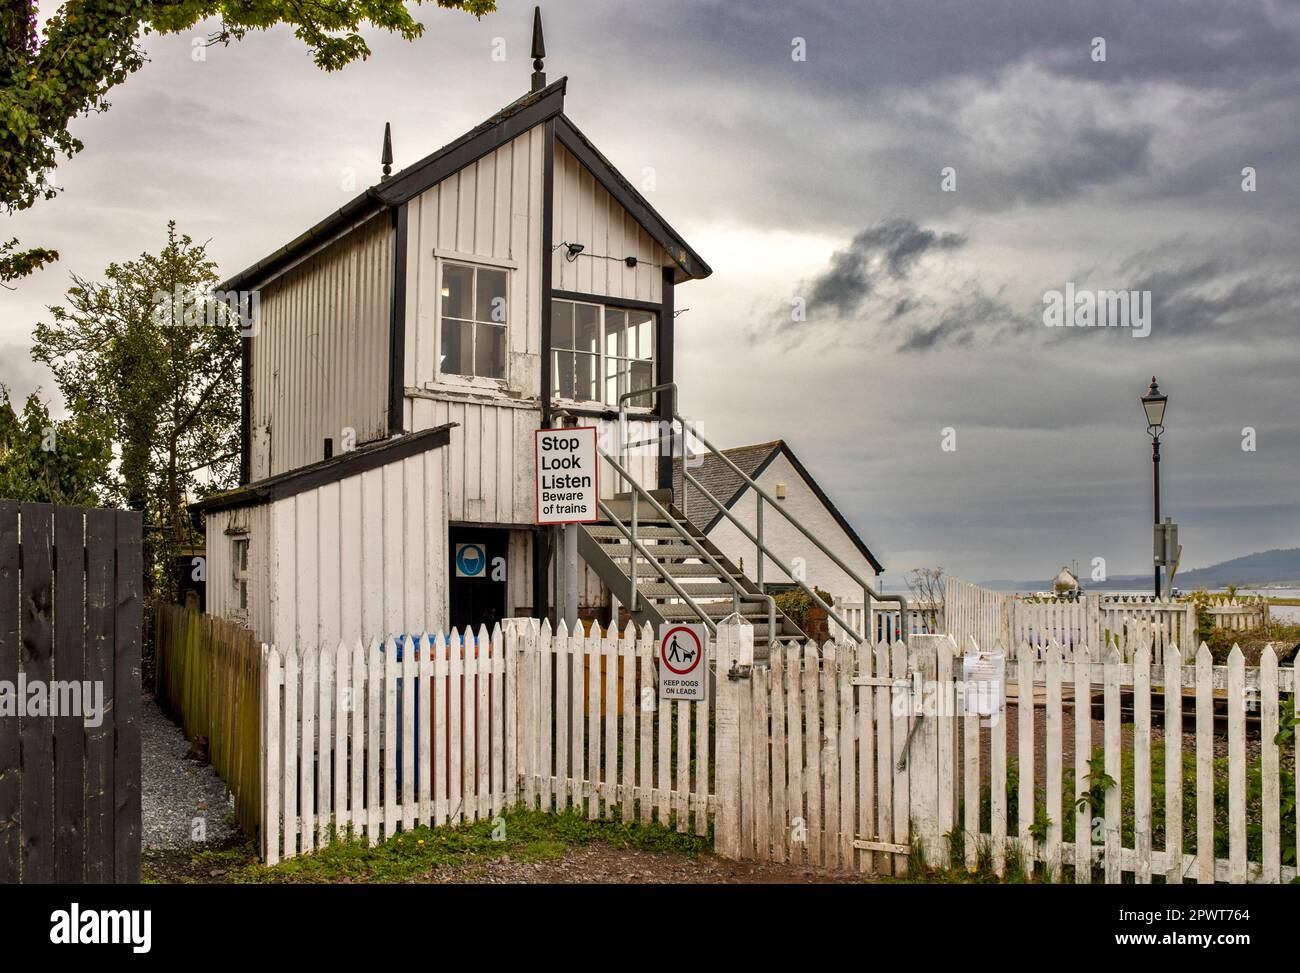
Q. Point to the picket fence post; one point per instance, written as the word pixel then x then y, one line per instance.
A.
pixel 735 662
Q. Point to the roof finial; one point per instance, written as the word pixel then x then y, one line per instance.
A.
pixel 539 51
pixel 387 157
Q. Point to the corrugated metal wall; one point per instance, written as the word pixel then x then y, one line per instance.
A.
pixel 222 595
pixel 586 213
pixel 364 557
pixel 320 358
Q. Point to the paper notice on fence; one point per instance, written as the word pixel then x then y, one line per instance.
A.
pixel 984 681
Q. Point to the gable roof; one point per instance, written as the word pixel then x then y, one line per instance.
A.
pixel 723 482
pixel 534 108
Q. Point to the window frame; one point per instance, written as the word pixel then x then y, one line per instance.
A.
pixel 239 574
pixel 603 358
pixel 446 379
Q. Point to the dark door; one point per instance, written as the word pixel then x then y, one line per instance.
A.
pixel 478 576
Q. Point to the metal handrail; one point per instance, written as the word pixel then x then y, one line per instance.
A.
pixel 765 550
pixel 738 593
pixel 868 591
pixel 689 430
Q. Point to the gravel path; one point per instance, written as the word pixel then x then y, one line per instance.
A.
pixel 177 792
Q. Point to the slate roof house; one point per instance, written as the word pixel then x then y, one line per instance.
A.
pixel 406 349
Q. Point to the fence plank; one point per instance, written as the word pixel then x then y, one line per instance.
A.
pixel 324 723
pixel 456 727
pixel 902 798
pixel 797 825
pixel 761 791
pixel 646 712
pixel 547 717
pixel 357 765
pixel 1236 766
pixel 595 660
pixel 464 690
pixel 579 654
pixel 10 794
pixel 866 756
pixel 1173 699
pixel 884 756
pixel 1054 746
pixel 1270 795
pixel 1113 768
pixel 611 705
pixel 1204 767
pixel 847 763
pixel 813 750
pixel 683 762
pixel 498 714
pixel 69 664
pixel 1025 754
pixel 830 757
pixel 1142 763
pixel 442 729
pixel 101 538
pixel 998 782
pixel 780 813
pixel 407 730
pixel 425 746
pixel 307 748
pixel 271 722
pixel 702 761
pixel 627 662
pixel 342 706
pixel 483 734
pixel 289 765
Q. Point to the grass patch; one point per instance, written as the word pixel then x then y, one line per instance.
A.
pixel 418 854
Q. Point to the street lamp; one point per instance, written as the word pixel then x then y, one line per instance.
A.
pixel 1153 404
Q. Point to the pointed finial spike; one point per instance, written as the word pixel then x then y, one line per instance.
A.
pixel 387 156
pixel 539 51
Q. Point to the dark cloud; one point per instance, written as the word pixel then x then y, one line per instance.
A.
pixel 891 249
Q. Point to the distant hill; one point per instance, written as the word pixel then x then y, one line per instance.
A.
pixel 1276 567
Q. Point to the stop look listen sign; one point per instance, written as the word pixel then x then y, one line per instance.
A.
pixel 567 476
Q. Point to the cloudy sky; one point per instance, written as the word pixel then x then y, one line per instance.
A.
pixel 884 219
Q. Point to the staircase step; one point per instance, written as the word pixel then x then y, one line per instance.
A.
pixel 711 589
pixel 680 611
pixel 646 571
pixel 602 533
pixel 660 550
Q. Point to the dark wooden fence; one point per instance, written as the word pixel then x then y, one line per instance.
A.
pixel 70 611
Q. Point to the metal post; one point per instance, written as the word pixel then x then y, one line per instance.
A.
pixel 1155 470
pixel 571 576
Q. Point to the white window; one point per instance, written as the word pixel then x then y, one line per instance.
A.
pixel 473 318
pixel 239 571
pixel 599 352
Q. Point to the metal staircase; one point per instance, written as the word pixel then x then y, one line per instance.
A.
pixel 661 566
pixel 677 573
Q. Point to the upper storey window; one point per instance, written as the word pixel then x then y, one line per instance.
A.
pixel 474 315
pixel 600 352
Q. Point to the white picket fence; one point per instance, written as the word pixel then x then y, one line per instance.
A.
pixel 386 737
pixel 842 757
pixel 860 753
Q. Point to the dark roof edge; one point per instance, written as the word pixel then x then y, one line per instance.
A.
pixel 690 263
pixel 781 448
pixel 510 122
pixel 360 460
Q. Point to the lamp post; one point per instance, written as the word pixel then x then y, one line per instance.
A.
pixel 1153 404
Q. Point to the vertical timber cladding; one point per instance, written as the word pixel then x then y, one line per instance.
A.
pixel 492 210
pixel 70 623
pixel 320 364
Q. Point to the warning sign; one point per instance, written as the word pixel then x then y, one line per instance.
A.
pixel 683 663
pixel 567 476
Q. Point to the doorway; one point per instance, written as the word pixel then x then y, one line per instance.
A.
pixel 478 573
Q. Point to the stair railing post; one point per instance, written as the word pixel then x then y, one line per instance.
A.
pixel 759 546
pixel 633 558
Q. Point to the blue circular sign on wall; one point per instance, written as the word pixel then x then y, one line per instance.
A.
pixel 471 561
